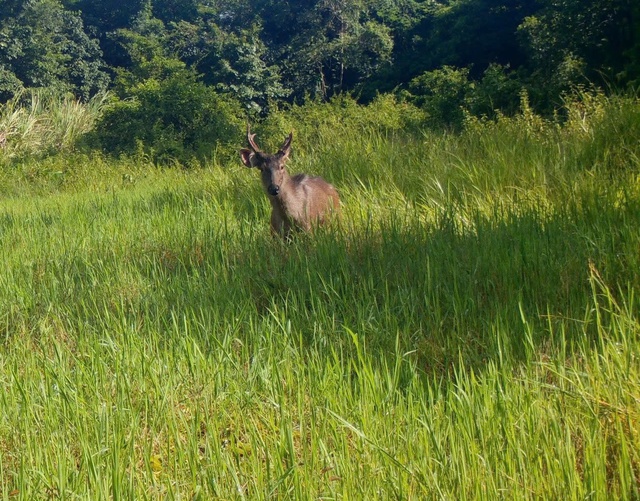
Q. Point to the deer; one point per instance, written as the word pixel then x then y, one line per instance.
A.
pixel 298 202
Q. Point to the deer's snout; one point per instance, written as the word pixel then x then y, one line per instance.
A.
pixel 273 190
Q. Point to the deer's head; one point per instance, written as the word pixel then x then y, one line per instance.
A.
pixel 271 167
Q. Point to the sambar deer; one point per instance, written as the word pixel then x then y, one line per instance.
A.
pixel 297 202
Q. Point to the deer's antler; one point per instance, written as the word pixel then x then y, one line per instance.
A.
pixel 250 137
pixel 287 143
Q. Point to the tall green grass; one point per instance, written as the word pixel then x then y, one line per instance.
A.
pixel 469 329
pixel 37 122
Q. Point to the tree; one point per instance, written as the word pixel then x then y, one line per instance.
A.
pixel 325 46
pixel 44 45
pixel 235 64
pixel 571 39
pixel 103 18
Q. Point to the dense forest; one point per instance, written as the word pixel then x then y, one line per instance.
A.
pixel 178 70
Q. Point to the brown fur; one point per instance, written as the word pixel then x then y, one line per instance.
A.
pixel 298 202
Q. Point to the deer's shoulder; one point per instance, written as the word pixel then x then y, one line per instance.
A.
pixel 307 181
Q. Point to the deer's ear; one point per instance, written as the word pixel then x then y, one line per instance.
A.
pixel 247 156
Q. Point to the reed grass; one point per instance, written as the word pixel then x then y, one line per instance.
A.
pixel 38 122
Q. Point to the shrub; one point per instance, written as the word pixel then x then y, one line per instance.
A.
pixel 441 94
pixel 174 118
pixel 340 119
pixel 497 92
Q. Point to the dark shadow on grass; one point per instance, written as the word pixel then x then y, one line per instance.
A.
pixel 449 295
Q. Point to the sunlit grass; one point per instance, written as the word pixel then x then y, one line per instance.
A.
pixel 39 121
pixel 469 330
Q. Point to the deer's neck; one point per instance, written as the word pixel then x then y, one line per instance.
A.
pixel 288 203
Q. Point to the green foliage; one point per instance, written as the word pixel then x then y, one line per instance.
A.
pixel 328 47
pixel 44 45
pixel 174 118
pixel 232 63
pixel 498 91
pixel 340 122
pixel 163 109
pixel 471 55
pixel 10 84
pixel 442 93
pixel 606 126
pixel 144 44
pixel 106 17
pixel 570 40
pixel 235 64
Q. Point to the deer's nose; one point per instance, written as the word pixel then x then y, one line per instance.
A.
pixel 273 190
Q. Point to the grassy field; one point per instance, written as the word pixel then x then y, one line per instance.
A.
pixel 469 330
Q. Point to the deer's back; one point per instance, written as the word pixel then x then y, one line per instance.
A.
pixel 317 196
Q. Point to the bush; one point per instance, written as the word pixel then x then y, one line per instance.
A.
pixel 340 119
pixel 497 92
pixel 176 118
pixel 447 95
pixel 441 94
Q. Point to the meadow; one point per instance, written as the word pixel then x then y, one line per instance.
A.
pixel 469 329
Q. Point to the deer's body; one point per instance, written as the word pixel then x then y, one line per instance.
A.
pixel 298 202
